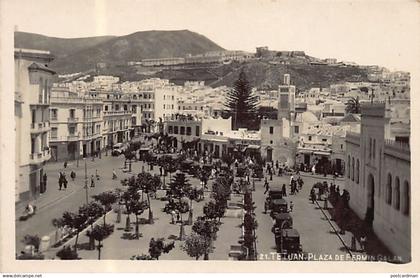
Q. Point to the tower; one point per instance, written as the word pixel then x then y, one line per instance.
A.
pixel 286 102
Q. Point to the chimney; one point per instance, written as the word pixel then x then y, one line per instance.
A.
pixel 286 79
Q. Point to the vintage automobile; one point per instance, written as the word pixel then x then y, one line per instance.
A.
pixel 278 206
pixel 258 172
pixel 282 220
pixel 273 194
pixel 288 242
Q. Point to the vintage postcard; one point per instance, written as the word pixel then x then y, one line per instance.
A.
pixel 205 134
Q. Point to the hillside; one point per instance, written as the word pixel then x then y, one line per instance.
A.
pixel 80 54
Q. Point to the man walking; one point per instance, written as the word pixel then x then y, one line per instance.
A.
pixel 44 180
pixel 60 180
pixel 92 181
pixel 266 186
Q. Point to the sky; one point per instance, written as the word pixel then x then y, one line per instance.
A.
pixel 367 32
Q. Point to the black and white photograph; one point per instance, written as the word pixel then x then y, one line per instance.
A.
pixel 211 130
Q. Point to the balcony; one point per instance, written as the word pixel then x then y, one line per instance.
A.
pixel 37 158
pixel 72 138
pixel 117 113
pixel 72 120
pixel 40 127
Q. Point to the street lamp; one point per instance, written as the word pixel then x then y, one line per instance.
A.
pixel 86 182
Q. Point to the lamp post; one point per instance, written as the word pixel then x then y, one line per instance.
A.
pixel 86 182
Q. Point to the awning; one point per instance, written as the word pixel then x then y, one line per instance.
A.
pixel 254 147
pixel 322 153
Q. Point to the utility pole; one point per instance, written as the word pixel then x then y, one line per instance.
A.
pixel 86 182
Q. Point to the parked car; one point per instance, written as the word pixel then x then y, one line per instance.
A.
pixel 118 149
pixel 288 242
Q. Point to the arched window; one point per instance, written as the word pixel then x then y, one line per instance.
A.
pixel 348 166
pixel 389 190
pixel 396 196
pixel 352 168
pixel 406 198
pixel 357 171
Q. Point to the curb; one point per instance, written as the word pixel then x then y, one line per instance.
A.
pixel 335 230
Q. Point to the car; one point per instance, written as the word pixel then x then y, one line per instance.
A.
pixel 118 149
pixel 282 220
pixel 288 242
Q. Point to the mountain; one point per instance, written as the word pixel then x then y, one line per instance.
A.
pixel 80 54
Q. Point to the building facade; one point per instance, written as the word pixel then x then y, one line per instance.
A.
pixel 378 179
pixel 33 81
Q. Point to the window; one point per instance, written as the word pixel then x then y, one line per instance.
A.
pixel 53 133
pixel 182 130
pixel 348 166
pixel 71 113
pixel 271 141
pixel 125 107
pixel 357 171
pixel 164 106
pixel 72 130
pixel 310 139
pixel 117 107
pixel 341 146
pixel 188 130
pixel 41 90
pixel 406 198
pixel 53 114
pixel 172 106
pixel 271 129
pixel 175 129
pixel 352 168
pixel 197 130
pixel 170 129
pixel 370 148
pixel 46 91
pixel 296 129
pixel 324 140
pixel 397 194
pixel 106 107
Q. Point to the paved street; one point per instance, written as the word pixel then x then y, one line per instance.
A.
pixel 317 236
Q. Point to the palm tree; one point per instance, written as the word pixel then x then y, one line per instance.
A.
pixel 353 106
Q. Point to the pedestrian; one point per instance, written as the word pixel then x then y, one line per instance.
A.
pixel 291 206
pixel 114 174
pixel 97 174
pixel 313 169
pixel 60 181
pixel 313 195
pixel 64 181
pixel 277 164
pixel 173 213
pixel 92 181
pixel 72 175
pixel 160 170
pixel 44 180
pixel 178 216
pixel 65 164
pixel 363 243
pixel 283 190
pixel 267 186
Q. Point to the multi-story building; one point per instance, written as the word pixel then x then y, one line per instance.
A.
pixel 76 125
pixel 33 81
pixel 166 101
pixel 117 118
pixel 378 179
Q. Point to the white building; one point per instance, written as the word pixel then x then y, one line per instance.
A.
pixel 33 81
pixel 378 179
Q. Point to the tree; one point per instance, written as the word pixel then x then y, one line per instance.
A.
pixel 106 199
pixel 91 211
pixel 74 221
pixel 35 241
pixel 148 184
pixel 193 194
pixel 214 210
pixel 242 104
pixel 157 247
pixel 67 253
pixel 99 233
pixel 267 112
pixel 353 106
pixel 196 246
